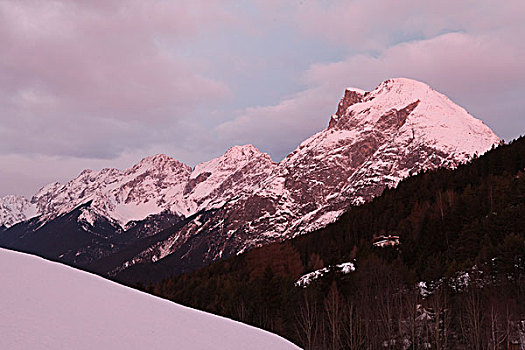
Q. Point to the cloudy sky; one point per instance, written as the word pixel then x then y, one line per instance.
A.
pixel 103 83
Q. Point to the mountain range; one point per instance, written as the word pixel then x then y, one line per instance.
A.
pixel 163 215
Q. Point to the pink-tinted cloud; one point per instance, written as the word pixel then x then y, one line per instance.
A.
pixel 276 129
pixel 456 61
pixel 93 78
pixel 376 24
pixel 476 71
pixel 104 57
pixel 105 82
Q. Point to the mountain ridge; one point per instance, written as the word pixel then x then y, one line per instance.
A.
pixel 21 208
pixel 375 139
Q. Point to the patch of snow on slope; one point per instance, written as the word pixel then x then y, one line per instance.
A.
pixel 423 289
pixel 305 280
pixel 46 305
pixel 346 267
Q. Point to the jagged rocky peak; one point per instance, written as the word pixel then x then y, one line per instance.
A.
pixel 234 158
pixel 376 139
pixel 235 171
pixel 14 209
pixel 159 162
pixel 410 106
pixel 351 97
pixel 242 153
pixel 395 94
pixel 86 172
pixel 46 189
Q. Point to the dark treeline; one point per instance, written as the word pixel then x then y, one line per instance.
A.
pixel 462 232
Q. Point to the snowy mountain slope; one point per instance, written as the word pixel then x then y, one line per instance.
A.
pixel 243 199
pixel 47 305
pixel 151 186
pixel 14 209
pixel 374 140
pixel 155 184
pixel 212 183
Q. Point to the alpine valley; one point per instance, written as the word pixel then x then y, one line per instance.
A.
pixel 162 217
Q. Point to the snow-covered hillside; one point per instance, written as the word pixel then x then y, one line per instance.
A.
pixel 46 305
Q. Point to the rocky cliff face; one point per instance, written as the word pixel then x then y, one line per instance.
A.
pixel 243 199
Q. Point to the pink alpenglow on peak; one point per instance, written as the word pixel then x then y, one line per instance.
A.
pixel 243 199
pixel 153 185
pixel 242 151
pixel 14 209
pixel 237 171
pixel 420 110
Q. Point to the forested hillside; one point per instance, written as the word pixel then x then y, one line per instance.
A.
pixel 456 280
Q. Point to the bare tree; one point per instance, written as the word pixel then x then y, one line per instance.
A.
pixel 408 323
pixel 387 308
pixel 471 319
pixel 496 328
pixel 333 309
pixel 306 321
pixel 441 206
pixel 441 329
pixel 353 327
pixel 378 300
pixel 241 310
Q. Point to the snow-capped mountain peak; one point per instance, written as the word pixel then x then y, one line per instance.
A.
pixel 159 162
pixel 242 198
pixel 233 159
pixel 373 141
pixel 237 171
pixel 412 109
pixel 242 152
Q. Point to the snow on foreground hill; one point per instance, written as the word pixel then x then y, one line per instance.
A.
pixel 46 305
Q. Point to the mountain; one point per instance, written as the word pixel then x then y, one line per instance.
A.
pixel 47 305
pixel 154 185
pixel 436 263
pixel 243 199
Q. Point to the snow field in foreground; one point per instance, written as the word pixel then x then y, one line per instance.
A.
pixel 46 305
